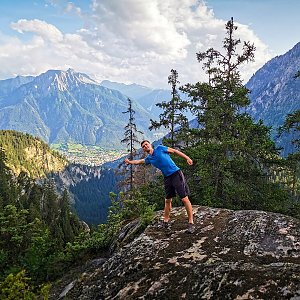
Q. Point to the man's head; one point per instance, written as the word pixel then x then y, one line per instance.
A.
pixel 146 145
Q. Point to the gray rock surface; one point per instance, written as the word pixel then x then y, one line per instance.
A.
pixel 231 255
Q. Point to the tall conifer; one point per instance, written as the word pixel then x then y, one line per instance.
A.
pixel 130 139
pixel 172 116
pixel 232 153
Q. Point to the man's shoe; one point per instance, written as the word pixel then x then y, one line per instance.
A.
pixel 191 228
pixel 166 225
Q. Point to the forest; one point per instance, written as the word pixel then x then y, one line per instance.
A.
pixel 236 166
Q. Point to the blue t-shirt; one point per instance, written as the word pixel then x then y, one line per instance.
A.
pixel 161 159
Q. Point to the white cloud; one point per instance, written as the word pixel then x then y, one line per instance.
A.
pixel 48 48
pixel 41 28
pixel 127 41
pixel 138 26
pixel 71 8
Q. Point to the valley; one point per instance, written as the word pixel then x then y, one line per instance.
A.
pixel 89 155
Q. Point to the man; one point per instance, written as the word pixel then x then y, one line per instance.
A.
pixel 173 178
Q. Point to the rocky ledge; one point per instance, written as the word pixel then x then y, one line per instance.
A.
pixel 231 255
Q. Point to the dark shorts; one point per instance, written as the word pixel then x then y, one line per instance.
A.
pixel 176 184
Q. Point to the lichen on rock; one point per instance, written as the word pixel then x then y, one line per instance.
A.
pixel 231 255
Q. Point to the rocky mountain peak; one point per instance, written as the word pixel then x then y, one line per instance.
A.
pixel 66 105
pixel 64 80
pixel 231 255
pixel 279 69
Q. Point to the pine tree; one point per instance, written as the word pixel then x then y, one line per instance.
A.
pixel 292 126
pixel 65 217
pixel 9 193
pixel 50 211
pixel 232 153
pixel 131 138
pixel 172 115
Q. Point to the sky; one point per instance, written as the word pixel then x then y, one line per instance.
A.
pixel 138 41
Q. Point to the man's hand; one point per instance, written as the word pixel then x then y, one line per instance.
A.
pixel 181 154
pixel 189 161
pixel 127 161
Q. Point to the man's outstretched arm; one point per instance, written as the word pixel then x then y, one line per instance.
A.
pixel 134 162
pixel 181 154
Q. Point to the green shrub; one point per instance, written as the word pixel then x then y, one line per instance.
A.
pixel 16 287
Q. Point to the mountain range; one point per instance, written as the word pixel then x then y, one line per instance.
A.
pixel 274 93
pixel 67 106
pixel 145 96
pixel 59 106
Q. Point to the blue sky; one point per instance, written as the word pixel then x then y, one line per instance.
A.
pixel 276 22
pixel 137 41
pixel 50 11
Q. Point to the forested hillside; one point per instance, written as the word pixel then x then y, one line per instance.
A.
pixel 25 153
pixel 35 225
pixel 41 237
pixel 89 187
pixel 92 200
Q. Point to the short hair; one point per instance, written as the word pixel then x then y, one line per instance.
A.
pixel 144 141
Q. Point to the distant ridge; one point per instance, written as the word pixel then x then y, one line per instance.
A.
pixel 67 106
pixel 8 85
pixel 131 90
pixel 275 93
pixel 145 96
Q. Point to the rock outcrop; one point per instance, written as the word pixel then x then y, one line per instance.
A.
pixel 231 255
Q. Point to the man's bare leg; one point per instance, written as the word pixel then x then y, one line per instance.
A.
pixel 167 210
pixel 188 208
